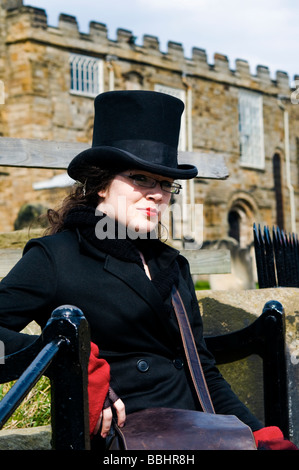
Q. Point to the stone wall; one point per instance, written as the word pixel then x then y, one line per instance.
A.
pixel 17 190
pixel 225 311
pixel 38 438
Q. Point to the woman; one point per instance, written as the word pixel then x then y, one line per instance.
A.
pixel 103 254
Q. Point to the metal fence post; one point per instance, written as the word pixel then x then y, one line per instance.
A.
pixel 275 374
pixel 69 379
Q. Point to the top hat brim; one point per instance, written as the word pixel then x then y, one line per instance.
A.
pixel 113 157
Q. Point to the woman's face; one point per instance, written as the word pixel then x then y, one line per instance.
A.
pixel 137 207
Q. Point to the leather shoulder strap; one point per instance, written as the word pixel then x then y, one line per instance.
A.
pixel 191 353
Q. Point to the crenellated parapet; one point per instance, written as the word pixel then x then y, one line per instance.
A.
pixel 125 47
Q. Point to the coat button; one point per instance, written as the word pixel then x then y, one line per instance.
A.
pixel 142 365
pixel 178 363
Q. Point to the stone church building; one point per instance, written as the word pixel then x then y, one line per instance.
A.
pixel 50 76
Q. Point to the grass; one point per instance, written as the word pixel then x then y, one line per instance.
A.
pixel 202 285
pixel 35 410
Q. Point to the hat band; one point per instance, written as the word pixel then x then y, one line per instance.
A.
pixel 149 150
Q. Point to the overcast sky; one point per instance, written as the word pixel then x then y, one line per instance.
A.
pixel 263 32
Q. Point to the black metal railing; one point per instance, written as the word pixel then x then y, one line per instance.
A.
pixel 277 257
pixel 62 354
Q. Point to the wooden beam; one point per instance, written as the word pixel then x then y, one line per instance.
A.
pixel 33 153
pixel 8 258
pixel 208 261
pixel 201 261
pixel 209 165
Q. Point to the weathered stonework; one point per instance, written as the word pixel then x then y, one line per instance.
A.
pixel 225 311
pixel 34 67
pixel 38 438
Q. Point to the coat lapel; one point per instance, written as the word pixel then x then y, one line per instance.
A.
pixel 130 273
pixel 136 279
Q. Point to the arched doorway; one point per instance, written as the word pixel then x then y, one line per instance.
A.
pixel 240 218
pixel 234 221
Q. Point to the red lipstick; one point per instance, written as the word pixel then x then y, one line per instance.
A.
pixel 150 212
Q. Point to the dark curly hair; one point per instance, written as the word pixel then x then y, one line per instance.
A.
pixel 97 179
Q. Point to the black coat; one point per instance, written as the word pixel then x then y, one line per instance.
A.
pixel 126 316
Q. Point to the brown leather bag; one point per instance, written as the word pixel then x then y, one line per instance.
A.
pixel 173 429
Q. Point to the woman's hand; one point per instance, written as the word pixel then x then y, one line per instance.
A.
pixel 105 419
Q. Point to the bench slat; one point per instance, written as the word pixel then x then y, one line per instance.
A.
pixel 33 153
pixel 8 258
pixel 208 261
pixel 201 261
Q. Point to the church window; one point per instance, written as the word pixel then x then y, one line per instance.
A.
pixel 251 130
pixel 86 74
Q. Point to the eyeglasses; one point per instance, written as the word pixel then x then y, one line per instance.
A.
pixel 148 182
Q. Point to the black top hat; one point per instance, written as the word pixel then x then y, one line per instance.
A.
pixel 135 129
